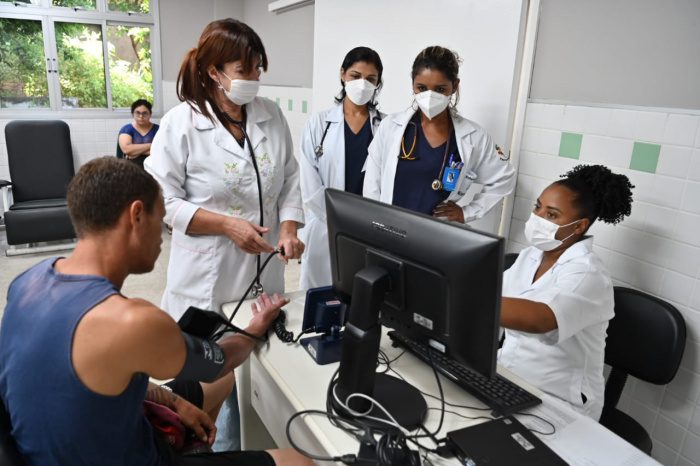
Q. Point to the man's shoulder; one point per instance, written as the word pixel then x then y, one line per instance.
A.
pixel 134 321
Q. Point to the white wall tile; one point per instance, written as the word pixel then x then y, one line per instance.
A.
pixel 643 415
pixel 597 120
pixel 692 323
pixel 650 126
pixel 604 234
pixel 649 394
pixel 574 118
pixel 612 152
pixel 660 221
pixel 664 454
pixel 543 141
pixel 4 172
pixel 685 462
pixel 3 153
pixel 691 357
pixel 687 228
pixel 517 229
pixel 641 275
pixel 695 300
pixel 677 287
pixel 694 170
pixel 637 219
pixel 681 129
pixel 694 425
pixel 544 115
pixel 691 448
pixel 681 257
pixel 666 191
pixel 622 123
pixel 674 161
pixel 638 244
pixel 677 409
pixel 685 385
pixel 691 198
pixel 668 432
pixel 522 208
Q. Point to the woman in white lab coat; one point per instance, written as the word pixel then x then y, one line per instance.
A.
pixel 202 159
pixel 333 153
pixel 558 296
pixel 224 160
pixel 426 158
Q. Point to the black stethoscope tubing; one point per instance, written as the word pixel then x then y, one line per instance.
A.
pixel 258 288
pixel 318 150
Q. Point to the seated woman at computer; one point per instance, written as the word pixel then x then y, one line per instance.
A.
pixel 426 157
pixel 558 296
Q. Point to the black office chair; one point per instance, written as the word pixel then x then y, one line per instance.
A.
pixel 9 455
pixel 120 152
pixel 646 339
pixel 41 166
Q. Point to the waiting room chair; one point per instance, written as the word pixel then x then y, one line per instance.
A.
pixel 646 340
pixel 9 454
pixel 41 166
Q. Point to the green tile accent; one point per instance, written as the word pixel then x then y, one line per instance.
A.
pixel 304 108
pixel 570 145
pixel 277 101
pixel 645 157
pixel 290 104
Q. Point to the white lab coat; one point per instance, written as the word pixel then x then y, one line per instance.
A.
pixel 482 164
pixel 200 165
pixel 568 361
pixel 317 174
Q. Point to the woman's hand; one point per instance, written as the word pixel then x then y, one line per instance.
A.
pixel 449 210
pixel 247 235
pixel 196 420
pixel 292 246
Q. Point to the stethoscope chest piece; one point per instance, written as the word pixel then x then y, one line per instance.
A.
pixel 257 290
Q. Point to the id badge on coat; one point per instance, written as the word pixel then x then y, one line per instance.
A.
pixel 450 177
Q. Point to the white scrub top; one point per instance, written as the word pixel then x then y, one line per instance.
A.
pixel 482 164
pixel 317 174
pixel 199 164
pixel 568 361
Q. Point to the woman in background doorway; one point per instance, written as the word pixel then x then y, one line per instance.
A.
pixel 135 138
pixel 333 153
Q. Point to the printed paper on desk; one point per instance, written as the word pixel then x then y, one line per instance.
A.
pixel 600 448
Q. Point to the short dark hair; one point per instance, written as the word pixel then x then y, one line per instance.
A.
pixel 103 188
pixel 599 193
pixel 138 103
pixel 367 55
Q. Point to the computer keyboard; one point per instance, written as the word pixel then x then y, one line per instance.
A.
pixel 500 394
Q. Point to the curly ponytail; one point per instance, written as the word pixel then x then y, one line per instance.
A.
pixel 600 193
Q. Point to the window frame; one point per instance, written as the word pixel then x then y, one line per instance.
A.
pixel 48 15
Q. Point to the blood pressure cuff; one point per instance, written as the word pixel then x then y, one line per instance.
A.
pixel 204 360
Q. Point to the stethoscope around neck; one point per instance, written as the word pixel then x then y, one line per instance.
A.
pixel 257 288
pixel 318 150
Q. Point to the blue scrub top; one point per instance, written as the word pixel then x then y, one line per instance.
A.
pixel 413 179
pixel 355 155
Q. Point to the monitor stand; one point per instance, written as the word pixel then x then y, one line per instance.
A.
pixel 358 361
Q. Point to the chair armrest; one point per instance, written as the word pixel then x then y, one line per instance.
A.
pixel 5 183
pixel 5 195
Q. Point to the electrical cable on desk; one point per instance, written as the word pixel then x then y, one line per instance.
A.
pixel 554 429
pixel 471 418
pixel 475 408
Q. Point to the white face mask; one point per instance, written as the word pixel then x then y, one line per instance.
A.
pixel 359 91
pixel 241 91
pixel 432 103
pixel 540 232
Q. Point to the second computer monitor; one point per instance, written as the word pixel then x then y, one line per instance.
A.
pixel 445 278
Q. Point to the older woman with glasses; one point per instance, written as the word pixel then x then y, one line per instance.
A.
pixel 135 138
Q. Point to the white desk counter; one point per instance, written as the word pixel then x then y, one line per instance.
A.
pixel 281 379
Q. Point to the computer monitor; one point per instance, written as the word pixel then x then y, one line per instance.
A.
pixel 436 282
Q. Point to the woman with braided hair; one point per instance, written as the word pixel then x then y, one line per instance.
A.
pixel 558 296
